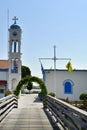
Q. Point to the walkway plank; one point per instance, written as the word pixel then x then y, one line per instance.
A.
pixel 29 116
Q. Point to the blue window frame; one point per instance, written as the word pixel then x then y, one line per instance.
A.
pixel 68 87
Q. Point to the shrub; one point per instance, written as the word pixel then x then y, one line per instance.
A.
pixel 30 79
pixel 52 94
pixel 8 92
pixel 83 96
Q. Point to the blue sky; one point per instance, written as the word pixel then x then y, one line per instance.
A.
pixel 46 23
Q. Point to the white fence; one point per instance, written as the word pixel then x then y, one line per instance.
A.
pixel 70 117
pixel 7 104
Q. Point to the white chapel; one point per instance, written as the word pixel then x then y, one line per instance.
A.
pixel 10 69
pixel 65 84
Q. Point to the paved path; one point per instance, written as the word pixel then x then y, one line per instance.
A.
pixel 29 116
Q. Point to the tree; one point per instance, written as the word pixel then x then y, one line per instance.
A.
pixel 29 86
pixel 25 71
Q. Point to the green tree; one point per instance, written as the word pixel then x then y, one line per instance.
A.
pixel 25 71
pixel 29 86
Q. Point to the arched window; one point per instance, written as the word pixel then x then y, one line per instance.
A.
pixel 15 46
pixel 14 83
pixel 14 66
pixel 68 86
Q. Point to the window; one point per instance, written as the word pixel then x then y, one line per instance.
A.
pixel 68 87
pixel 14 47
pixel 14 66
pixel 1 90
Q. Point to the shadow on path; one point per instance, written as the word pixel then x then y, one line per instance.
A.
pixel 37 100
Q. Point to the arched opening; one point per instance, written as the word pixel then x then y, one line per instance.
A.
pixel 68 86
pixel 31 88
pixel 14 83
pixel 30 79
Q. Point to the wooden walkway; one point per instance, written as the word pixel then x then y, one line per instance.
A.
pixel 30 115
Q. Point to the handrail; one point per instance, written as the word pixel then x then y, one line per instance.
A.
pixel 70 117
pixel 7 104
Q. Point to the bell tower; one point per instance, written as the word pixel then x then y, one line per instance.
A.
pixel 14 55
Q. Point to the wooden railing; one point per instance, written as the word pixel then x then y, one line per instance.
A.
pixel 7 104
pixel 68 116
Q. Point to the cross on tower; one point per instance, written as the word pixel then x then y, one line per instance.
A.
pixel 15 18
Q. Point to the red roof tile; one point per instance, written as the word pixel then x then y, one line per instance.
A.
pixel 3 64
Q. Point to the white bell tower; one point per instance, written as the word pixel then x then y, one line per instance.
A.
pixel 14 55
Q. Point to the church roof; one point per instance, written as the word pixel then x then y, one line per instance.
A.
pixel 14 26
pixel 3 64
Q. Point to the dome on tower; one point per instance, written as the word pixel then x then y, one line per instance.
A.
pixel 15 26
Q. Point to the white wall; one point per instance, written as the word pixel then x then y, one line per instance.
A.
pixel 4 76
pixel 13 80
pixel 2 93
pixel 79 79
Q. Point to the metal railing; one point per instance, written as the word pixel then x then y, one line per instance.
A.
pixel 7 104
pixel 68 116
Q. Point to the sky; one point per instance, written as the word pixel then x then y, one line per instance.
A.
pixel 46 23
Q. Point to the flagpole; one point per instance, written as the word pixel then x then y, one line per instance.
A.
pixel 7 27
pixel 54 69
pixel 54 59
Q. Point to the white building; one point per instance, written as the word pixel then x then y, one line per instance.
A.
pixel 10 70
pixel 66 84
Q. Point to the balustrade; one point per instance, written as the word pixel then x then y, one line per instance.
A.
pixel 70 117
pixel 7 104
